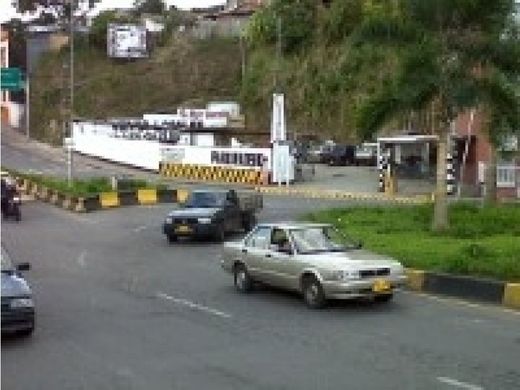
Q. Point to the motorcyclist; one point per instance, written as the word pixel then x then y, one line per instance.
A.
pixel 9 191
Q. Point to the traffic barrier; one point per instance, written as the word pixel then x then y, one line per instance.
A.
pixel 182 195
pixel 109 199
pixel 212 173
pixel 69 202
pixel 166 196
pixel 127 198
pixel 147 196
pixel 415 279
pixel 43 193
pixel 465 287
pixel 512 295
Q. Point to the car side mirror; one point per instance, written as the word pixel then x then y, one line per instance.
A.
pixel 23 267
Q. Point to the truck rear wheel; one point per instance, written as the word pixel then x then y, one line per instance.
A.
pixel 248 222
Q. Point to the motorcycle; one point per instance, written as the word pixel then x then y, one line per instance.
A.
pixel 12 207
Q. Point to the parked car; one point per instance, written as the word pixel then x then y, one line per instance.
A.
pixel 342 155
pixel 314 259
pixel 213 214
pixel 18 315
pixel 366 154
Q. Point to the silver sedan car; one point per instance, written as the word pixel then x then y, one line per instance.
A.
pixel 314 259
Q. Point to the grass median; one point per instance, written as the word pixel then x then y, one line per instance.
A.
pixel 481 241
pixel 88 186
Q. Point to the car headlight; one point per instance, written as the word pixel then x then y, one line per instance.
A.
pixel 397 269
pixel 21 303
pixel 16 199
pixel 169 220
pixel 204 221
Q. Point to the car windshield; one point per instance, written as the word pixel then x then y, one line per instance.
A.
pixel 321 239
pixel 205 200
pixel 7 266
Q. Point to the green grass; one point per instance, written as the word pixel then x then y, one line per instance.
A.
pixel 480 241
pixel 87 187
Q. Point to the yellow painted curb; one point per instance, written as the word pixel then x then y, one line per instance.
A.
pixel 512 295
pixel 147 196
pixel 415 279
pixel 182 195
pixel 109 199
pixel 342 195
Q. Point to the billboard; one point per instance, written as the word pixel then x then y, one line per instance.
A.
pixel 126 41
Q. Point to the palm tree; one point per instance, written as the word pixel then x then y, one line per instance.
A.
pixel 453 55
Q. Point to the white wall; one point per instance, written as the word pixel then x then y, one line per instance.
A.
pixel 97 139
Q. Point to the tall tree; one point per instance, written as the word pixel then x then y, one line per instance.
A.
pixel 453 55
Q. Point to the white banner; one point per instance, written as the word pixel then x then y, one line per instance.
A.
pixel 278 130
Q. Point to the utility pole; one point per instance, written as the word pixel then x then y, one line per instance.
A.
pixel 27 99
pixel 69 146
pixel 278 53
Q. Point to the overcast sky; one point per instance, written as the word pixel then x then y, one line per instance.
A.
pixel 7 11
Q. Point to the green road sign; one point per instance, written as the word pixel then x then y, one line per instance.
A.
pixel 11 79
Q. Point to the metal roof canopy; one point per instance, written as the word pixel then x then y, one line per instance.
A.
pixel 407 139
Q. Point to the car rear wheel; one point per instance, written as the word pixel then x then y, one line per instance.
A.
pixel 171 238
pixel 243 282
pixel 383 298
pixel 313 294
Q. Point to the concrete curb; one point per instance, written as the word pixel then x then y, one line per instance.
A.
pixel 341 195
pixel 104 200
pixel 465 287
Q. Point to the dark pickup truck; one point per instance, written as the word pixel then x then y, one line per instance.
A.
pixel 213 214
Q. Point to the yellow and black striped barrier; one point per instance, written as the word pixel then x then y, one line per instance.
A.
pixel 465 287
pixel 212 173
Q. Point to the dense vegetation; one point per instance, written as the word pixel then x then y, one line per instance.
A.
pixel 179 71
pixel 480 241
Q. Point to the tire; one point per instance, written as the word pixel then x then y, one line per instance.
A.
pixel 18 216
pixel 171 238
pixel 383 298
pixel 249 223
pixel 26 332
pixel 219 235
pixel 242 280
pixel 313 294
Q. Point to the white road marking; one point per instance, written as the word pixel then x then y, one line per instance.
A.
pixel 81 258
pixel 193 305
pixel 459 384
pixel 140 228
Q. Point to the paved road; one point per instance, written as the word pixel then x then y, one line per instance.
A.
pixel 119 308
pixel 17 151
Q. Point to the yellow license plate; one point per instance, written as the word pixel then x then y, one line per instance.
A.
pixel 381 285
pixel 183 229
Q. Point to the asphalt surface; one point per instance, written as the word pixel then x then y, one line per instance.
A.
pixel 120 308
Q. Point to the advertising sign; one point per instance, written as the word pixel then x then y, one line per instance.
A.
pixel 126 41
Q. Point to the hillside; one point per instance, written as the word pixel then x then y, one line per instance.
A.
pixel 182 71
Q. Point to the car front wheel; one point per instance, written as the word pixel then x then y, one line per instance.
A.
pixel 383 298
pixel 243 282
pixel 313 294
